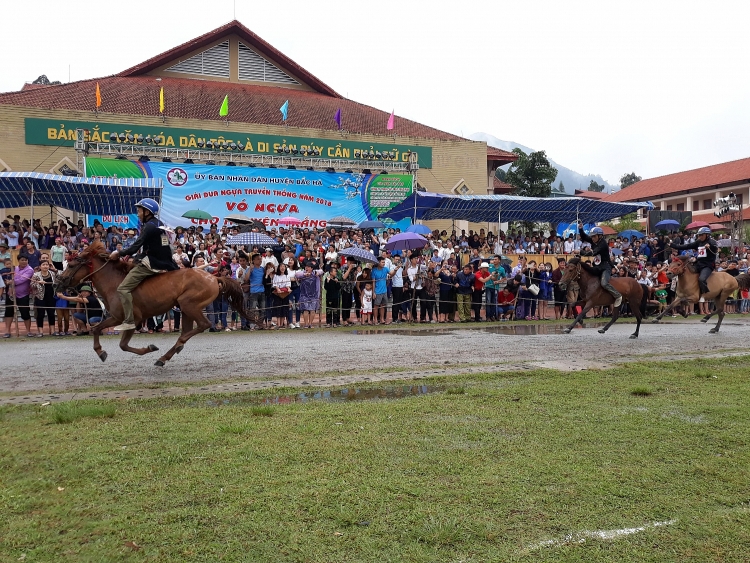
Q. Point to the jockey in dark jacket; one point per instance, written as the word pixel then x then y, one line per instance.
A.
pixel 601 262
pixel 155 258
pixel 707 249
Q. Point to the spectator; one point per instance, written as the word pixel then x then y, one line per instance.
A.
pixel 480 278
pixel 380 277
pixel 89 311
pixel 309 287
pixel 42 284
pixel 464 287
pixel 332 284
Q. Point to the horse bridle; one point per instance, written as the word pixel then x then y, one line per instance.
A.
pixel 89 263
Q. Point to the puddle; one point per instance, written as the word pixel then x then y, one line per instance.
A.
pixel 335 396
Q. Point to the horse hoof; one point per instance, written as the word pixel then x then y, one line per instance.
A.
pixel 152 348
pixel 602 331
pixel 704 320
pixel 713 331
pixel 159 363
pixel 178 349
pixel 566 331
pixel 655 321
pixel 103 356
pixel 632 336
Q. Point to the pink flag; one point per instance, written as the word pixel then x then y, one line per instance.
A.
pixel 391 121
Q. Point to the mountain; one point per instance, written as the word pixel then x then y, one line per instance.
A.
pixel 571 179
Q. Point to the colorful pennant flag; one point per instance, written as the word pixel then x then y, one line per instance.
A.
pixel 337 117
pixel 98 96
pixel 391 121
pixel 224 111
pixel 284 109
pixel 161 100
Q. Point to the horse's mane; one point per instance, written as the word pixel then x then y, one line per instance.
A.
pixel 575 260
pixel 690 266
pixel 97 250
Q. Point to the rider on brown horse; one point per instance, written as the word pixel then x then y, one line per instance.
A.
pixel 601 261
pixel 155 258
pixel 707 249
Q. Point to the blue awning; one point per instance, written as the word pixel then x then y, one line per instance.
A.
pixel 427 206
pixel 93 196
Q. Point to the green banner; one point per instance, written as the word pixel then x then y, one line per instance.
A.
pixel 55 132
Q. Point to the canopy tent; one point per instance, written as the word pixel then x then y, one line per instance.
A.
pixel 92 196
pixel 427 206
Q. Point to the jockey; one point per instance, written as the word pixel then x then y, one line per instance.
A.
pixel 707 249
pixel 602 262
pixel 155 258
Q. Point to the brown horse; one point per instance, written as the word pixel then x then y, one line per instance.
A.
pixel 595 296
pixel 720 286
pixel 191 290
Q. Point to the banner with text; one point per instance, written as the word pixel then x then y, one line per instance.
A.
pixel 268 194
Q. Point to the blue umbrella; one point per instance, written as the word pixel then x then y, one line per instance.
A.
pixel 564 229
pixel 250 239
pixel 616 251
pixel 359 254
pixel 668 225
pixel 371 225
pixel 419 229
pixel 630 233
pixel 405 241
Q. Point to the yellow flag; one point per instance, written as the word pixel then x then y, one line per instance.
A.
pixel 161 100
pixel 98 96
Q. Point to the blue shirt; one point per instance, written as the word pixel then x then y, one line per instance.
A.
pixel 380 277
pixel 256 280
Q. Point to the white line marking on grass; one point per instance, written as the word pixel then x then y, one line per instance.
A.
pixel 581 537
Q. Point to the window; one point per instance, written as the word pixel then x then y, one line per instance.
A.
pixel 680 207
pixel 254 67
pixel 669 208
pixel 739 200
pixel 696 206
pixel 707 204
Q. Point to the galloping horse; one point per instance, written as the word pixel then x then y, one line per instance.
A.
pixel 595 296
pixel 189 289
pixel 720 286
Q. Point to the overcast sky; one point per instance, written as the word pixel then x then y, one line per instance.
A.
pixel 604 87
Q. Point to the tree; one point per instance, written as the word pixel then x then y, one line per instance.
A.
pixel 561 187
pixel 500 174
pixel 594 187
pixel 628 180
pixel 532 174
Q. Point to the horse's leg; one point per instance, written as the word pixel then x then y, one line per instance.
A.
pixel 638 318
pixel 615 316
pixel 675 303
pixel 720 301
pixel 96 331
pixel 124 344
pixel 192 312
pixel 586 308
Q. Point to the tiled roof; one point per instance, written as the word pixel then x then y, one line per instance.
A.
pixel 500 156
pixel 201 99
pixel 716 175
pixel 250 38
pixel 500 187
pixel 590 195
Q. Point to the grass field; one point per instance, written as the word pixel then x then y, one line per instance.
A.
pixel 649 462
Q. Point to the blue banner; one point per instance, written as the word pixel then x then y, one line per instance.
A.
pixel 268 194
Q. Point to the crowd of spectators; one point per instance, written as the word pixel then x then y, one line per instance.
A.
pixel 303 278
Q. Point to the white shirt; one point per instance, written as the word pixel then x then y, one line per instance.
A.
pixel 569 246
pixel 413 273
pixel 269 260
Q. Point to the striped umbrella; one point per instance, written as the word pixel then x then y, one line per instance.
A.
pixel 359 254
pixel 250 239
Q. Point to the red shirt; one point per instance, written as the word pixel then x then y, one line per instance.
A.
pixel 505 298
pixel 478 277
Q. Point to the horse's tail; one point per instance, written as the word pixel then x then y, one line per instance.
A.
pixel 743 280
pixel 232 290
pixel 644 299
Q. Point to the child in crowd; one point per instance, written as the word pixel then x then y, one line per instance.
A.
pixel 661 297
pixel 367 304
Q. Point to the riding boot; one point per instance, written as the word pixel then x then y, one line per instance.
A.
pixel 703 287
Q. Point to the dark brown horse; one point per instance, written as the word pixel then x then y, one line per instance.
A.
pixel 189 289
pixel 595 296
pixel 720 287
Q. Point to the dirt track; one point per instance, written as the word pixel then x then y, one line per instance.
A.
pixel 318 357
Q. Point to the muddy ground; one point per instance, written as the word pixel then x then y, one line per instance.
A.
pixel 320 357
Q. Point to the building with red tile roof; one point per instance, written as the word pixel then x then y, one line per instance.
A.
pixel 693 190
pixel 38 121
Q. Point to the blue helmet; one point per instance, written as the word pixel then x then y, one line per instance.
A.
pixel 149 205
pixel 704 231
pixel 597 231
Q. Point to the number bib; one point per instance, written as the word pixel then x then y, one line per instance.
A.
pixel 597 260
pixel 701 252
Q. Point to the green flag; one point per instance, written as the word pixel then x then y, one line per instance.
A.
pixel 224 111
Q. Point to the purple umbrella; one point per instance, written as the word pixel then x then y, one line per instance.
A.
pixel 405 241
